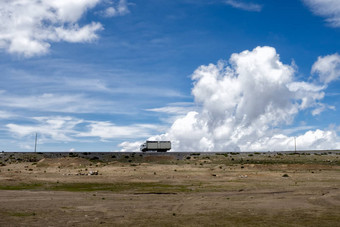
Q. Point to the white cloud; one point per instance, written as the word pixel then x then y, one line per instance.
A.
pixel 56 103
pixel 130 146
pixel 108 130
pixel 170 113
pixel 181 108
pixel 311 140
pixel 243 103
pixel 244 6
pixel 147 90
pixel 55 128
pixel 6 115
pixel 328 68
pixel 29 26
pixel 326 8
pixel 301 128
pixel 77 34
pixel 120 9
pixel 67 129
pixel 308 94
pixel 81 84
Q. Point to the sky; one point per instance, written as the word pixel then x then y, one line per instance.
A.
pixel 209 75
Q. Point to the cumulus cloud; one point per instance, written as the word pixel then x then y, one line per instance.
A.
pixel 29 26
pixel 313 140
pixel 328 68
pixel 326 8
pixel 244 102
pixel 244 6
pixel 119 9
pixel 130 146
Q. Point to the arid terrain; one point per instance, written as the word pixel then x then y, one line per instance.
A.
pixel 191 189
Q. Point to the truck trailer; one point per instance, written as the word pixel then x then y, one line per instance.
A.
pixel 155 146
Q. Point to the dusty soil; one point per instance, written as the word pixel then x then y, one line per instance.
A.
pixel 199 190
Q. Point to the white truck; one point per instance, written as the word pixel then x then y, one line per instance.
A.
pixel 156 146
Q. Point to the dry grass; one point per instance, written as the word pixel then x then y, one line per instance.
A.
pixel 198 190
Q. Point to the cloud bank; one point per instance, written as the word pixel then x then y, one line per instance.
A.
pixel 244 103
pixel 326 8
pixel 29 26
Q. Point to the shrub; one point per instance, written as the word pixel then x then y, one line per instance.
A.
pixel 94 158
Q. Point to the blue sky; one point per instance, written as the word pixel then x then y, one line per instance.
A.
pixel 100 75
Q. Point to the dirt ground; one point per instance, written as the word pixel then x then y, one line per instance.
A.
pixel 200 190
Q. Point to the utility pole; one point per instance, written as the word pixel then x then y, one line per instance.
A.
pixel 295 143
pixel 35 145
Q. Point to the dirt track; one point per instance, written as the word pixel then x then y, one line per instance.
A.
pixel 215 190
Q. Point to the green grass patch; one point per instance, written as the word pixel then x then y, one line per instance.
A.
pixel 143 187
pixel 22 214
pixel 119 187
pixel 21 186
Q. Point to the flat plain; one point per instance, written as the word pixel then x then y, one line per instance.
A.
pixel 188 189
